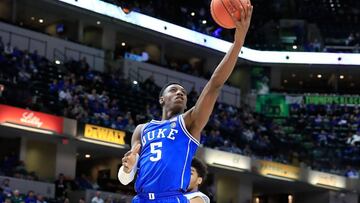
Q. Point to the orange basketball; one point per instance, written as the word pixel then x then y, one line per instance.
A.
pixel 221 12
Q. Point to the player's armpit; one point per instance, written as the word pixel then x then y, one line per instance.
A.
pixel 197 200
pixel 197 117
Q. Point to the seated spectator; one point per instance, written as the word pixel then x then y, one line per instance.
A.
pixel 7 191
pixel 8 50
pixel 53 87
pixel 35 57
pixel 61 187
pixel 120 123
pixel 349 40
pixel 17 198
pixel 30 198
pixel 97 198
pixel 109 199
pixel 8 164
pixel 20 170
pixel 351 173
pixel 354 139
pixel 32 176
pixel 82 200
pixel 40 199
pixel 323 138
pixel 130 127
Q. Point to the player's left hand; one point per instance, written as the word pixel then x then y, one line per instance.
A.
pixel 130 158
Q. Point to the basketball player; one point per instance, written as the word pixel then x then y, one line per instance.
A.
pixel 198 175
pixel 162 151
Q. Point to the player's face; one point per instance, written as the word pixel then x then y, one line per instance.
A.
pixel 175 97
pixel 195 180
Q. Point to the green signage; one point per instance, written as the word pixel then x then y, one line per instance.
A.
pixel 272 105
pixel 344 100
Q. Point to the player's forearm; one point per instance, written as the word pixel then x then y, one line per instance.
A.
pixel 226 66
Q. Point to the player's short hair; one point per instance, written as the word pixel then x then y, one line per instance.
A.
pixel 200 167
pixel 167 85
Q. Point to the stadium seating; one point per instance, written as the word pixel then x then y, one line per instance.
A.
pixel 326 15
pixel 308 137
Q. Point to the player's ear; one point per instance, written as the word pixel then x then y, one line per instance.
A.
pixel 199 181
pixel 161 100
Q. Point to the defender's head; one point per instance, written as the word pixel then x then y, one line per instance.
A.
pixel 198 174
pixel 173 96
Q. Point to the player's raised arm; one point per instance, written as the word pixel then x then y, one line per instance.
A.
pixel 128 169
pixel 197 117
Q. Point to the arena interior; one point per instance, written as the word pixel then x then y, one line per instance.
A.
pixel 77 76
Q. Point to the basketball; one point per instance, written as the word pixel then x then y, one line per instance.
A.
pixel 221 12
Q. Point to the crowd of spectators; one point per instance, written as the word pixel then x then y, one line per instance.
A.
pixel 327 134
pixel 93 97
pixel 11 166
pixel 64 185
pixel 324 138
pixel 11 195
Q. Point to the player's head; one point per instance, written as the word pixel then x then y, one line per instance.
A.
pixel 173 96
pixel 198 174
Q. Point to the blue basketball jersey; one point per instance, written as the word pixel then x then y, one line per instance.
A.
pixel 166 154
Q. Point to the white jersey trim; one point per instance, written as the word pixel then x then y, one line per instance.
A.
pixel 183 127
pixel 157 122
pixel 183 172
pixel 192 195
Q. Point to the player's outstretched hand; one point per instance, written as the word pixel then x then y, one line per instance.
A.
pixel 242 25
pixel 130 158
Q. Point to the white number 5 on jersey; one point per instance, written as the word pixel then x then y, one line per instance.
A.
pixel 155 149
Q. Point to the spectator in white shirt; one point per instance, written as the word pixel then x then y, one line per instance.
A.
pixel 97 198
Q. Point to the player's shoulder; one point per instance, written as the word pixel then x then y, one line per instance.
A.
pixel 139 127
pixel 138 130
pixel 197 194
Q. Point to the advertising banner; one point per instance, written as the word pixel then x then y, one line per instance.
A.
pixel 102 134
pixel 340 100
pixel 33 119
pixel 272 105
pixel 326 180
pixel 273 169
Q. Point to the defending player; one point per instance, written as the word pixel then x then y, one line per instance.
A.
pixel 198 175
